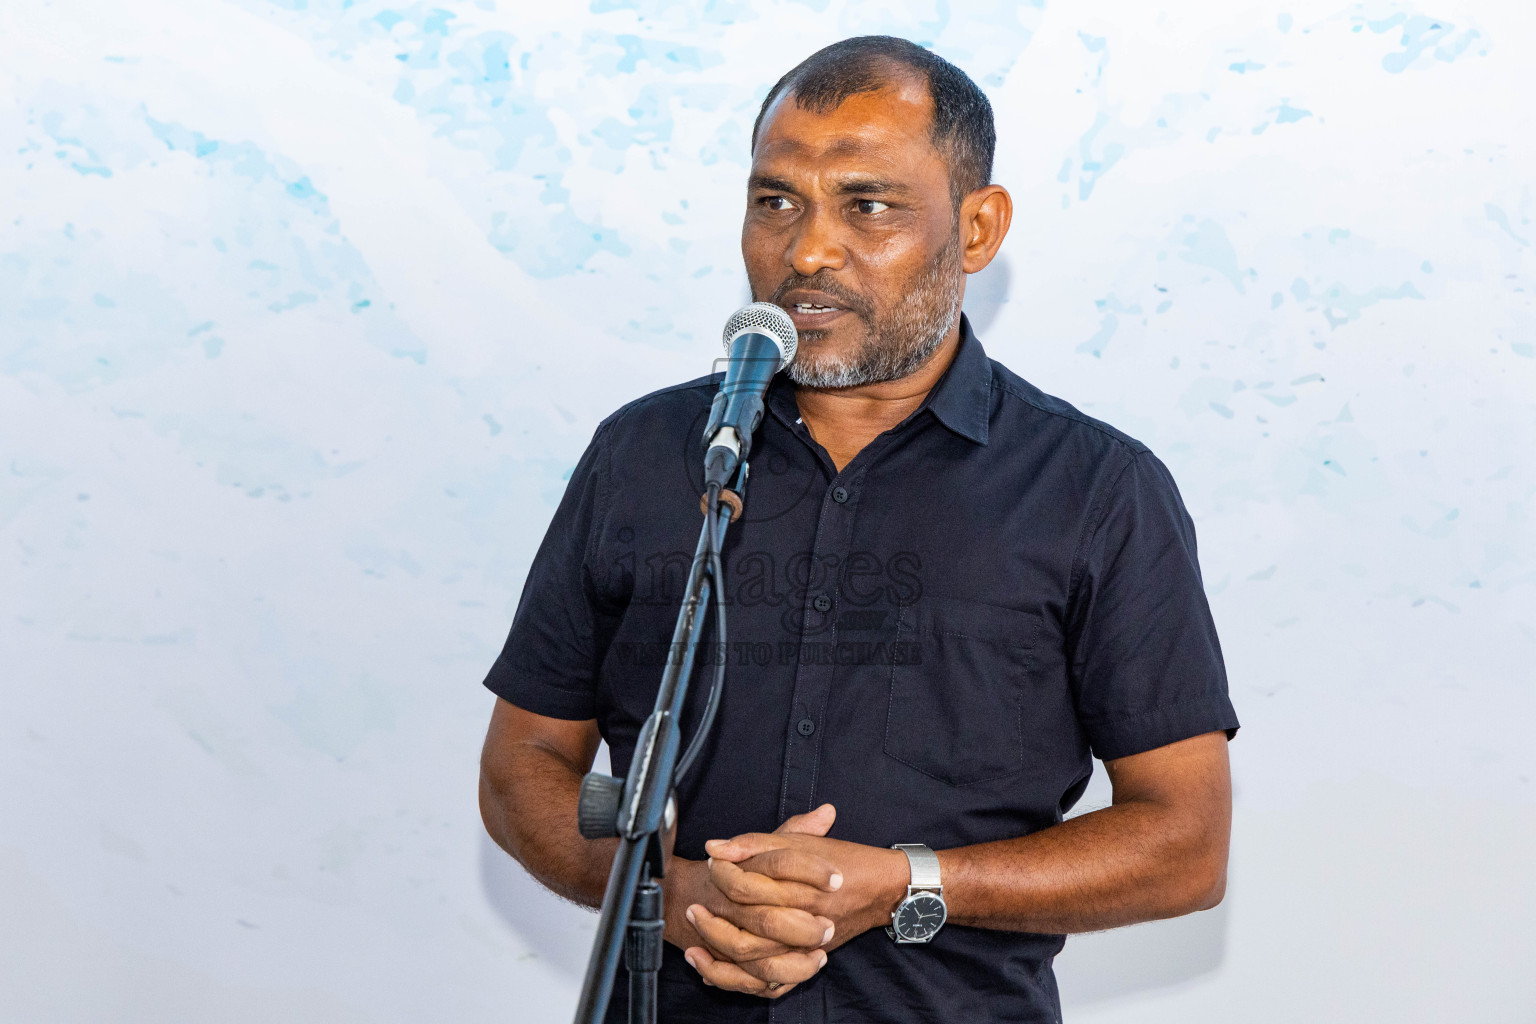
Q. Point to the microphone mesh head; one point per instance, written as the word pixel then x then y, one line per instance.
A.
pixel 763 318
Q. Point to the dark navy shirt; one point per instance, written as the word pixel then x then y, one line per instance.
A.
pixel 937 640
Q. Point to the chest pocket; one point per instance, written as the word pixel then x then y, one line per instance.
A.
pixel 956 706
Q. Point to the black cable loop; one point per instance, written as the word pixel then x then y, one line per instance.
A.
pixel 715 535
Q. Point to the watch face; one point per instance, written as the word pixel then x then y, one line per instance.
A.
pixel 919 917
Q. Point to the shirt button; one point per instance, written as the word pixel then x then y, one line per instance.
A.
pixel 839 494
pixel 805 727
pixel 823 603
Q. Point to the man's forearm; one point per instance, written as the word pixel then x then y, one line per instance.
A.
pixel 1160 851
pixel 1120 865
pixel 1135 861
pixel 528 801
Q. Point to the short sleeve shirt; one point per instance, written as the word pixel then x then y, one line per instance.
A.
pixel 938 640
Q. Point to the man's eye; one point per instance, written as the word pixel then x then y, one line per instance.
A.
pixel 871 206
pixel 777 203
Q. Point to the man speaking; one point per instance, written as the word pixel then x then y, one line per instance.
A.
pixel 948 593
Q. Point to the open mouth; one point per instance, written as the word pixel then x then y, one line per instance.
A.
pixel 811 309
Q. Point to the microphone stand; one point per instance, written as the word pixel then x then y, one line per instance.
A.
pixel 640 809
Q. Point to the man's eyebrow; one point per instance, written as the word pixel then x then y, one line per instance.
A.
pixel 865 185
pixel 767 183
pixel 853 185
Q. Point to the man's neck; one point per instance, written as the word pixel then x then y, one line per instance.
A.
pixel 845 420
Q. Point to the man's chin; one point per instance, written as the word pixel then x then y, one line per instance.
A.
pixel 833 357
pixel 825 374
pixel 819 353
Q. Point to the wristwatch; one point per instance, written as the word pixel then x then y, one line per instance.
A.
pixel 919 917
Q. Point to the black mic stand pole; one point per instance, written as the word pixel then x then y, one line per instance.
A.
pixel 641 812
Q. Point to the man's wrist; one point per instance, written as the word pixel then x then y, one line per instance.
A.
pixel 677 896
pixel 893 874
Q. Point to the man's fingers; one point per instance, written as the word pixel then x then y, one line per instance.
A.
pixel 795 929
pixel 771 977
pixel 749 888
pixel 759 932
pixel 787 968
pixel 748 844
pixel 812 823
pixel 729 941
pixel 789 865
pixel 726 975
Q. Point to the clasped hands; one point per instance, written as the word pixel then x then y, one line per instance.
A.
pixel 764 911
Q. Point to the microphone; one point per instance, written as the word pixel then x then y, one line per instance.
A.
pixel 760 340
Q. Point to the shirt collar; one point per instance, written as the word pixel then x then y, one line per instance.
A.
pixel 961 400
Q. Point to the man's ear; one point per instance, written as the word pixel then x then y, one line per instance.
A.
pixel 984 218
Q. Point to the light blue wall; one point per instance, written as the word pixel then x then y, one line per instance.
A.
pixel 308 306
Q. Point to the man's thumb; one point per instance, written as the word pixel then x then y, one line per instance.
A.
pixel 813 823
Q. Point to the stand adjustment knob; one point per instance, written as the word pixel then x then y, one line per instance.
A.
pixel 597 809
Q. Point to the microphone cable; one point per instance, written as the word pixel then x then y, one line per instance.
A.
pixel 717 686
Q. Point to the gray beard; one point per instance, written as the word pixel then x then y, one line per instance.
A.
pixel 899 344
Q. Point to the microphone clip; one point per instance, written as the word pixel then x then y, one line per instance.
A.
pixel 727 497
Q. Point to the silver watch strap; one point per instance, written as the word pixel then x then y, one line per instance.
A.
pixel 925 865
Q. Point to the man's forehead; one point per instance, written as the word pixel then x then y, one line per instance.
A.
pixel 892 117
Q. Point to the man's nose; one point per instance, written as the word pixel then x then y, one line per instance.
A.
pixel 817 243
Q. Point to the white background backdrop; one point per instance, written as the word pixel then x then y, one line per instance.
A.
pixel 308 306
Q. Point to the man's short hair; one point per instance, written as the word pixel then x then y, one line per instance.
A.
pixel 962 129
